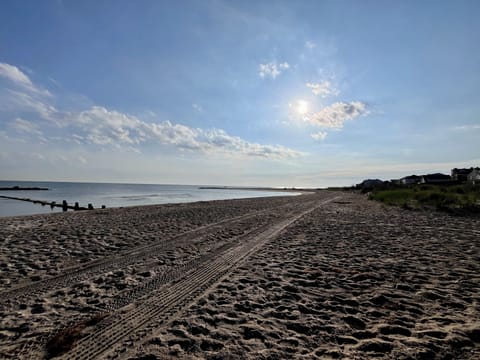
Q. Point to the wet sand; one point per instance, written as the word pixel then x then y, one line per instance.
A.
pixel 326 275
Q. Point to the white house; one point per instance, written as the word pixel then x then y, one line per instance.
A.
pixel 461 174
pixel 474 176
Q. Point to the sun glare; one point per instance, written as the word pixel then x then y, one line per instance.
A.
pixel 302 107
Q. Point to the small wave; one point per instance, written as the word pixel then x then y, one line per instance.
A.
pixel 152 196
pixel 180 196
pixel 138 196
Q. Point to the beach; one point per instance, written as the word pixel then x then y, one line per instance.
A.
pixel 315 276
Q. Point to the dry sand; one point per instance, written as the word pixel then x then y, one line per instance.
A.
pixel 329 275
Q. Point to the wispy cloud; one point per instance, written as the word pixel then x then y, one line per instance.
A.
pixel 100 126
pixel 25 126
pixel 335 115
pixel 324 88
pixel 17 100
pixel 272 69
pixel 19 78
pixel 319 136
pixel 15 75
pixel 467 127
pixel 19 94
pixel 82 159
pixel 310 45
pixel 197 107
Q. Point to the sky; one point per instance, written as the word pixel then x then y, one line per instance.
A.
pixel 247 93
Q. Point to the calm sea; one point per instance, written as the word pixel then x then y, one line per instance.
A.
pixel 112 195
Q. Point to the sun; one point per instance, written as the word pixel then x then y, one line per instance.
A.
pixel 301 107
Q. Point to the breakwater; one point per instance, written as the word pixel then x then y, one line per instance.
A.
pixel 64 204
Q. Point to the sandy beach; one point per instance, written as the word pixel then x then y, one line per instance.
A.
pixel 315 276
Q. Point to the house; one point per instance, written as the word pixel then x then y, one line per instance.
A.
pixel 436 178
pixel 474 176
pixel 409 180
pixel 461 174
pixel 371 183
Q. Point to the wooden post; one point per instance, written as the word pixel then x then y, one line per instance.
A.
pixel 90 207
pixel 64 205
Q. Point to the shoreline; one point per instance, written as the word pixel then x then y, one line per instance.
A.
pixel 179 200
pixel 320 275
pixel 256 188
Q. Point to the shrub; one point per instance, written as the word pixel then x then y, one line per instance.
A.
pixel 450 198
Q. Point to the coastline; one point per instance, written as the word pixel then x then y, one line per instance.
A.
pixel 320 275
pixel 16 202
pixel 256 188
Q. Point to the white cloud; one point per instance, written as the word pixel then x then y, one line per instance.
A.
pixel 197 107
pixel 25 126
pixel 319 136
pixel 16 76
pixel 100 126
pixel 323 89
pixel 180 136
pixel 272 69
pixel 219 140
pixel 467 127
pixel 37 156
pixel 11 100
pixel 335 115
pixel 310 45
pixel 82 159
pixel 78 139
pixel 106 127
pixel 214 140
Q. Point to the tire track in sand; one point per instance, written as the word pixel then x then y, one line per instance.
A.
pixel 141 253
pixel 164 303
pixel 30 348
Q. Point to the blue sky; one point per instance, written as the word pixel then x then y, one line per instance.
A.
pixel 275 93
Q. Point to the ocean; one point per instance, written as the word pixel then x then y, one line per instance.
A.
pixel 113 195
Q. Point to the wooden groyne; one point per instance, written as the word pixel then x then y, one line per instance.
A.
pixel 53 204
pixel 19 188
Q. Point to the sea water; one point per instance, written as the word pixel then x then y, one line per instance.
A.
pixel 112 195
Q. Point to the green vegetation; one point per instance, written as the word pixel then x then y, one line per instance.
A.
pixel 458 199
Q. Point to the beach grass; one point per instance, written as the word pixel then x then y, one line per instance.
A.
pixel 451 198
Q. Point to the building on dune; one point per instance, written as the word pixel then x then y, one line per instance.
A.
pixel 409 180
pixel 474 176
pixel 461 174
pixel 436 178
